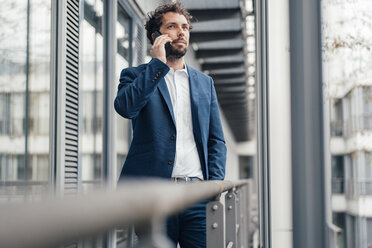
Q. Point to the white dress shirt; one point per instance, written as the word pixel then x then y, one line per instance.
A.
pixel 187 162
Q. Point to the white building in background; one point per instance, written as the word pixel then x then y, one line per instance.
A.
pixel 347 70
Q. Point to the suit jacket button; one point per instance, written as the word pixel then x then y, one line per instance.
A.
pixel 173 137
pixel 170 162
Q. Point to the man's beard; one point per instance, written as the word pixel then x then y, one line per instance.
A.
pixel 175 53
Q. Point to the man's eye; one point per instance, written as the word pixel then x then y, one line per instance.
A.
pixel 171 26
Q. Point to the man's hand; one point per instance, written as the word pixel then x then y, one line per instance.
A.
pixel 158 48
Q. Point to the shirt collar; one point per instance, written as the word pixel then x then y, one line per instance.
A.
pixel 183 70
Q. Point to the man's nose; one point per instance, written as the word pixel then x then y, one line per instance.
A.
pixel 181 32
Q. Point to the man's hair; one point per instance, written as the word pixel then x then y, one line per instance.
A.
pixel 154 18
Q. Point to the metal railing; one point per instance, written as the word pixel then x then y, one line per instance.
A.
pixel 58 221
pixel 349 126
pixel 356 188
pixel 353 124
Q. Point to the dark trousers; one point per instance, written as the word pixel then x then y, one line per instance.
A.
pixel 188 228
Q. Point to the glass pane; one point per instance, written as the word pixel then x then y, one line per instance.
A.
pixel 24 76
pixel 91 103
pixel 91 97
pixel 123 30
pixel 347 75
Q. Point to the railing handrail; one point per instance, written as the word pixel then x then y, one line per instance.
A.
pixel 56 221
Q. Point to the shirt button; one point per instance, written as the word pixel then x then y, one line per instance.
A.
pixel 173 137
pixel 170 162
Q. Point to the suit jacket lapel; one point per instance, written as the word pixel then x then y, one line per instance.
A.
pixel 165 93
pixel 194 97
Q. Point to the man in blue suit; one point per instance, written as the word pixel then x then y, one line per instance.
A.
pixel 177 131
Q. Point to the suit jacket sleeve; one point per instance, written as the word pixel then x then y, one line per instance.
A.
pixel 216 141
pixel 136 87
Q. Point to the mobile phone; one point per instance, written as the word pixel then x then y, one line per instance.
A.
pixel 167 45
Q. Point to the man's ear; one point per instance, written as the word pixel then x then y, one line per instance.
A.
pixel 152 38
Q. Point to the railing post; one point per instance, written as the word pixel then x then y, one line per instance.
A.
pixel 239 217
pixel 231 219
pixel 245 215
pixel 215 224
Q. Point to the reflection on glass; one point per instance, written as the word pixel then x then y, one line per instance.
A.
pixel 24 74
pixel 122 58
pixel 91 102
pixel 122 61
pixel 347 75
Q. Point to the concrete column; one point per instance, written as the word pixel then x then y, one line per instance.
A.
pixel 279 123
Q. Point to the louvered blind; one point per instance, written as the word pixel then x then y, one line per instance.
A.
pixel 139 39
pixel 72 97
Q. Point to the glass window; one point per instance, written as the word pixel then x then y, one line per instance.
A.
pixel 367 175
pixel 19 164
pixel 91 86
pixel 336 118
pixel 367 108
pixel 91 102
pixel 123 30
pixel 246 165
pixel 24 76
pixel 17 114
pixel 39 114
pixel 125 52
pixel 337 174
pixel 3 113
pixel 339 221
pixel 41 166
pixel 369 232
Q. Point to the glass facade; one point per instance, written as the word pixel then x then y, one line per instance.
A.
pixel 25 79
pixel 123 60
pixel 24 98
pixel 26 172
pixel 91 97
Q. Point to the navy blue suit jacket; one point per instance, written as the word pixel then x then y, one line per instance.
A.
pixel 143 97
